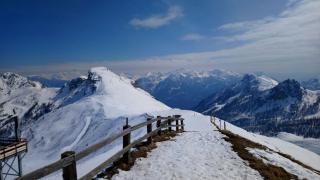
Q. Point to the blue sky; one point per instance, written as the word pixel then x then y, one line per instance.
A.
pixel 36 32
pixel 74 32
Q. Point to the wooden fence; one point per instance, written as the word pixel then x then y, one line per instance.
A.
pixel 68 161
pixel 213 120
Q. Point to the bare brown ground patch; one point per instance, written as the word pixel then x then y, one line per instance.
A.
pixel 267 171
pixel 140 151
pixel 259 146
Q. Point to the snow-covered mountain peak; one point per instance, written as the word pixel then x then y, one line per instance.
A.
pixel 89 109
pixel 107 89
pixel 22 97
pixel 107 81
pixel 255 82
pixel 223 72
pixel 11 81
pixel 219 73
pixel 266 82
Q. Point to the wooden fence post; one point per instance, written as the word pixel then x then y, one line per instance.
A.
pixel 177 122
pixel 169 123
pixel 149 130
pixel 220 123
pixel 159 124
pixel 126 141
pixel 182 125
pixel 224 125
pixel 70 171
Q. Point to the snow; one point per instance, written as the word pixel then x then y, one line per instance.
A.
pixel 186 88
pixel 273 158
pixel 199 153
pixel 87 120
pixel 219 106
pixel 312 144
pixel 303 155
pixel 266 82
pixel 311 97
pixel 117 92
pixel 16 90
pixel 83 131
pixel 22 99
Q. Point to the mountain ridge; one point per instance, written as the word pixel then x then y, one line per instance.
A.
pixel 267 111
pixel 185 88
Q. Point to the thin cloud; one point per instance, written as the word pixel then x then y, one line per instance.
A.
pixel 287 45
pixel 192 37
pixel 299 23
pixel 245 25
pixel 156 21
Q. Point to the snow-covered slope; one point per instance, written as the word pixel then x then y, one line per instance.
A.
pixel 312 144
pixel 303 155
pixel 184 88
pixel 202 153
pixel 22 97
pixel 199 153
pixel 263 105
pixel 86 110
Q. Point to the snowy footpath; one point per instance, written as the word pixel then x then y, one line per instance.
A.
pixel 202 153
pixel 199 153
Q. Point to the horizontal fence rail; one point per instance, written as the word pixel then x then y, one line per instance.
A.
pixel 68 160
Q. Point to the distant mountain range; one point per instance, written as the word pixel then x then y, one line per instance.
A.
pixel 185 89
pixel 90 108
pixel 262 105
pixel 48 82
pixel 255 102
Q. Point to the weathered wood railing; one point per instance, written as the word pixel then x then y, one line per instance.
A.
pixel 68 159
pixel 213 120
